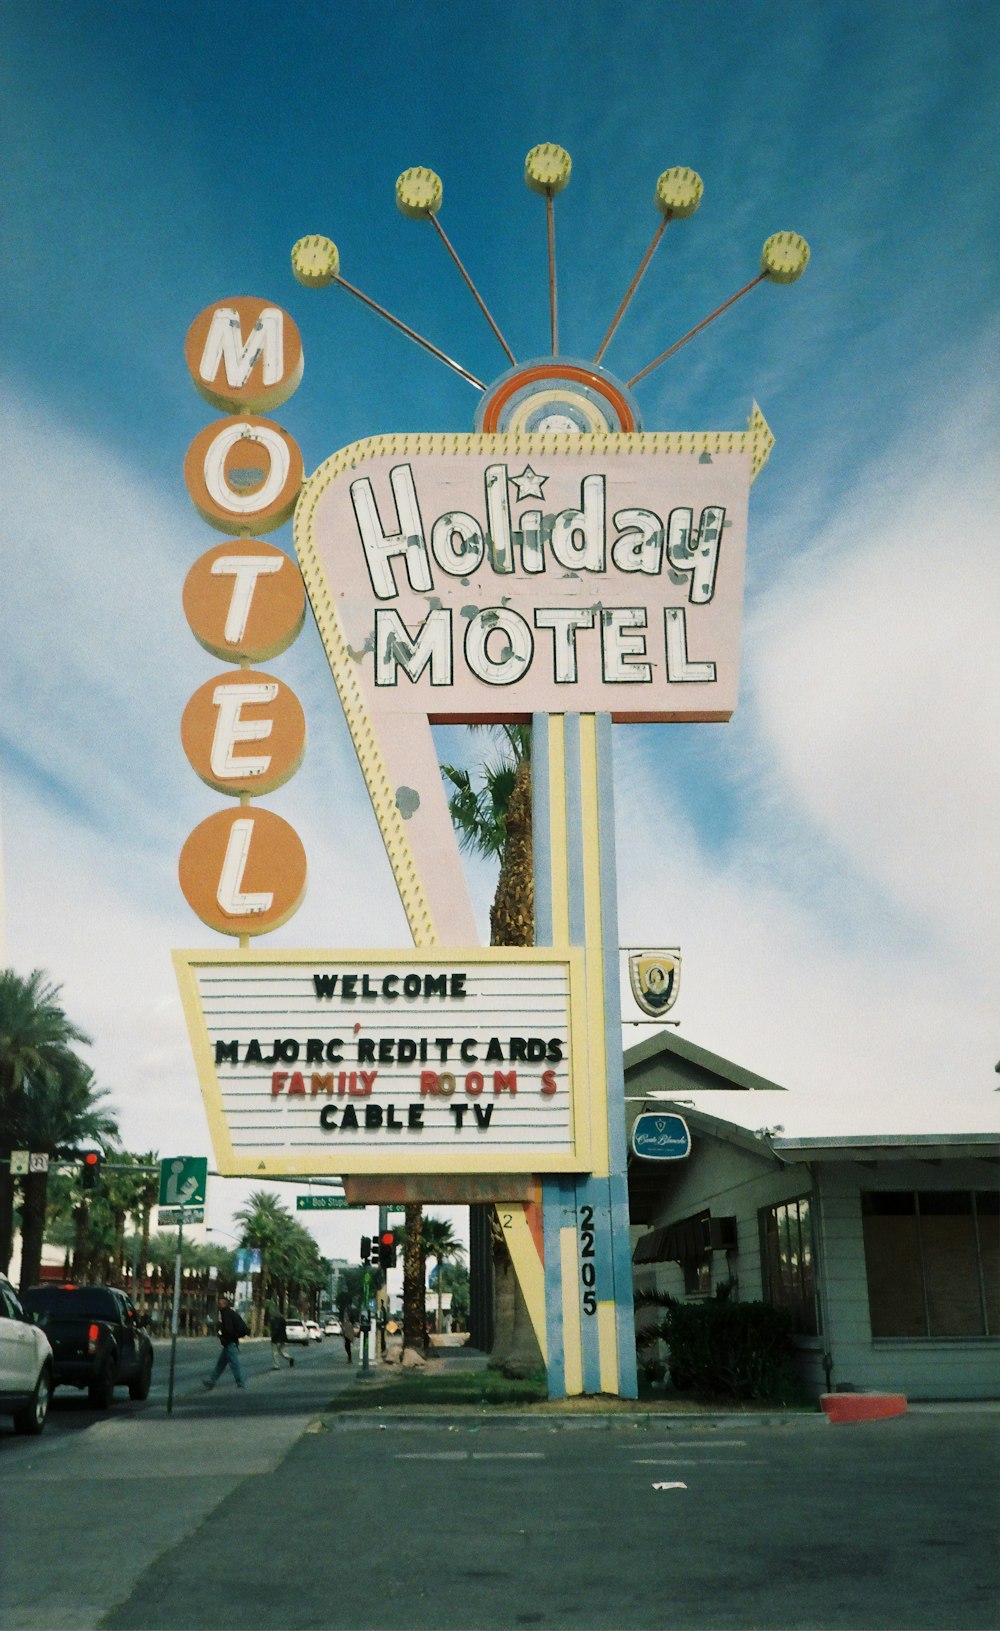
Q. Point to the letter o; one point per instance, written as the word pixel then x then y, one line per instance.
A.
pixel 474 1082
pixel 412 985
pixel 446 1083
pixel 499 621
pixel 227 486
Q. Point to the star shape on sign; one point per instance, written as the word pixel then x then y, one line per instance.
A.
pixel 529 484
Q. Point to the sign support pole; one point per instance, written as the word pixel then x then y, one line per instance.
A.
pixel 174 1316
pixel 590 1331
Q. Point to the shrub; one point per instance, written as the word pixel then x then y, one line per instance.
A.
pixel 726 1347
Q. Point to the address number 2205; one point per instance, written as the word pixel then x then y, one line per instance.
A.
pixel 588 1267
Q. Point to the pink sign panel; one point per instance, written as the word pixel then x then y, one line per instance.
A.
pixel 483 578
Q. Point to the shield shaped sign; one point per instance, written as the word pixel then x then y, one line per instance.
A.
pixel 655 977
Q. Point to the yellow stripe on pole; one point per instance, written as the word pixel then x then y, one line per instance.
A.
pixel 572 1335
pixel 557 830
pixel 607 1331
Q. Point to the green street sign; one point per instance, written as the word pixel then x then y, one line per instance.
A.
pixel 326 1203
pixel 183 1180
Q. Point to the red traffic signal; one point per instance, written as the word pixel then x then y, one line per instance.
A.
pixel 387 1249
pixel 91 1172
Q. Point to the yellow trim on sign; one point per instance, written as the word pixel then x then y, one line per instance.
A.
pixel 371 1161
pixel 528 1268
pixel 594 937
pixel 572 1333
pixel 607 1336
pixel 558 839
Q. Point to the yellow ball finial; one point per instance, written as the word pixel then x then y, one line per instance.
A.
pixel 784 257
pixel 315 261
pixel 419 193
pixel 547 168
pixel 679 191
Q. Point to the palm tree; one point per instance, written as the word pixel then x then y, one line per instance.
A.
pixel 494 820
pixel 441 1243
pixel 261 1221
pixel 34 1035
pixel 61 1108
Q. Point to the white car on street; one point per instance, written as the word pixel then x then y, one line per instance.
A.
pixel 295 1331
pixel 25 1365
pixel 314 1330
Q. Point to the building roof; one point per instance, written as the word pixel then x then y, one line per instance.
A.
pixel 689 1065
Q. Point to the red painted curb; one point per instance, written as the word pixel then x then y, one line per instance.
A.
pixel 862 1406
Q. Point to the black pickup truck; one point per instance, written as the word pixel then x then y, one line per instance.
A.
pixel 96 1337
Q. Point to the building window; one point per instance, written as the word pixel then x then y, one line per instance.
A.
pixel 790 1262
pixel 933 1262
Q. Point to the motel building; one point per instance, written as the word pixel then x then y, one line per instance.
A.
pixel 885 1247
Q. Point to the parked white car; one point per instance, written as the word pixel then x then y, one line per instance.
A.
pixel 25 1365
pixel 314 1330
pixel 295 1331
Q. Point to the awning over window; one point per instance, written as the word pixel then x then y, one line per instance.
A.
pixel 692 1237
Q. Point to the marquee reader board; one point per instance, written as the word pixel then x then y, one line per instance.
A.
pixel 362 1061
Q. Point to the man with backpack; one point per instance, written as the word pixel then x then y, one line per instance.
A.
pixel 231 1327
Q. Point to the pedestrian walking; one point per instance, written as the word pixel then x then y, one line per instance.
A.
pixel 278 1331
pixel 348 1333
pixel 230 1328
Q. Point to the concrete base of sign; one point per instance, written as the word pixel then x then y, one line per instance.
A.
pixel 842 1407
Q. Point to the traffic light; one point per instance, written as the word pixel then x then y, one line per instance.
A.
pixel 387 1249
pixel 366 1248
pixel 90 1176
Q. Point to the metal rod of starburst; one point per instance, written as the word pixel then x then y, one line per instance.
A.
pixel 630 291
pixel 411 333
pixel 697 329
pixel 550 217
pixel 480 302
pixel 546 171
pixel 678 194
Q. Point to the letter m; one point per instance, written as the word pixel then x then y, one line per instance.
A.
pixel 227 1053
pixel 225 344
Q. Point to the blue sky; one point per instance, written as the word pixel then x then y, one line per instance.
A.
pixel 824 860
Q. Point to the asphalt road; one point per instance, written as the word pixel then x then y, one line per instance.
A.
pixel 252 1511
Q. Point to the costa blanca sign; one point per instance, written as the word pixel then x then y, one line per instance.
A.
pixel 416 1061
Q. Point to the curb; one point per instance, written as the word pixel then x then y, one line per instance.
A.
pixel 848 1407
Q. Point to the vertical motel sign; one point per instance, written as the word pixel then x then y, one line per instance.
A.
pixel 556 565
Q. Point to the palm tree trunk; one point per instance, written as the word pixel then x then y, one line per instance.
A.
pixel 33 1227
pixel 413 1281
pixel 81 1241
pixel 6 1212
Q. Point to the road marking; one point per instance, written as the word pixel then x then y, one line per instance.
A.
pixel 432 1455
pixel 698 1444
pixel 702 1461
pixel 470 1455
pixel 508 1455
pixel 670 1486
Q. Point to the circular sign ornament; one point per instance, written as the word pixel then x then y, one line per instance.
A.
pixel 419 193
pixel 245 600
pixel 244 355
pixel 244 732
pixel 547 168
pixel 784 257
pixel 243 871
pixel 556 394
pixel 315 261
pixel 243 474
pixel 679 192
